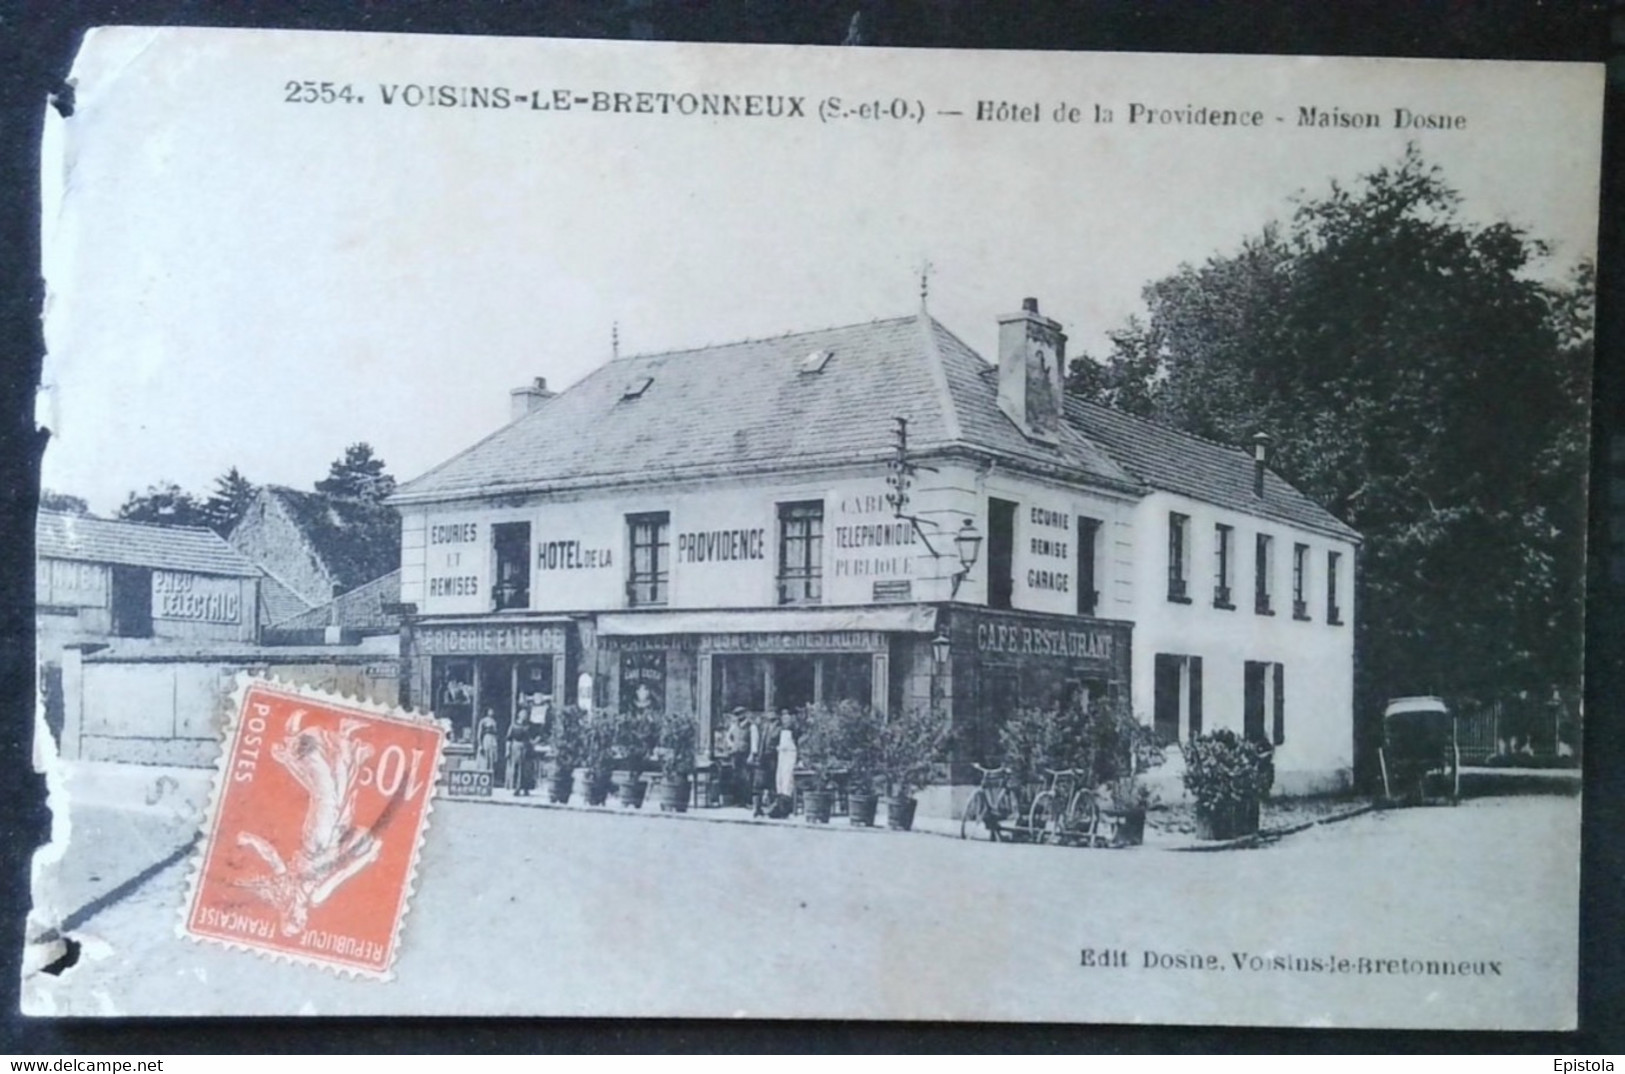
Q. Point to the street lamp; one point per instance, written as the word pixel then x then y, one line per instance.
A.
pixel 968 543
pixel 940 646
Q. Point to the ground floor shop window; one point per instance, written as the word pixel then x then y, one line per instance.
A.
pixel 479 697
pixel 643 682
pixel 790 682
pixel 453 693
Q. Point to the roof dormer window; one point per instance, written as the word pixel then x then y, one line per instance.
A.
pixel 636 388
pixel 816 361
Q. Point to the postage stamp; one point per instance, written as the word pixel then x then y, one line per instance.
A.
pixel 320 807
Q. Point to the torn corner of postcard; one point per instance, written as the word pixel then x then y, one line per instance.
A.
pixel 832 532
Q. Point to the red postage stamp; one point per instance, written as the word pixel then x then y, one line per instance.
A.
pixel 312 845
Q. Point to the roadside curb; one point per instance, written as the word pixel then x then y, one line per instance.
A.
pixel 699 816
pixel 1270 835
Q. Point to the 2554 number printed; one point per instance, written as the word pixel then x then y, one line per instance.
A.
pixel 320 93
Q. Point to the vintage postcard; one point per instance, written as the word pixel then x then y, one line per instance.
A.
pixel 828 532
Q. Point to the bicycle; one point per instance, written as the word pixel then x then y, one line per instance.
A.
pixel 1064 812
pixel 993 802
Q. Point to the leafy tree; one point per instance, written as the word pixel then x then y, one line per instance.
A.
pixel 358 475
pixel 165 503
pixel 61 501
pixel 1427 387
pixel 230 498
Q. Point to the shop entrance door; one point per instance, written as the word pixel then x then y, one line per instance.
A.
pixel 795 683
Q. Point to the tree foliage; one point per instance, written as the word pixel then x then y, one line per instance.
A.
pixel 1424 384
pixel 230 498
pixel 166 504
pixel 62 501
pixel 358 475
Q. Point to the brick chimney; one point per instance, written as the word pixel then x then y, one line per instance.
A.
pixel 1032 371
pixel 1261 460
pixel 524 400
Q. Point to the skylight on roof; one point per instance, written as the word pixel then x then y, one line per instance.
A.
pixel 636 389
pixel 816 361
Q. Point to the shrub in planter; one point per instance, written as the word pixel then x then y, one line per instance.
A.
pixel 859 734
pixel 819 749
pixel 676 750
pixel 1126 804
pixel 1227 777
pixel 566 739
pixel 905 745
pixel 591 777
pixel 635 736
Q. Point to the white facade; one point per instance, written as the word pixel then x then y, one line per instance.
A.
pixel 1315 751
pixel 723 544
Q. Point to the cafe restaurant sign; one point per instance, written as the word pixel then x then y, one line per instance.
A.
pixel 490 639
pixel 1043 641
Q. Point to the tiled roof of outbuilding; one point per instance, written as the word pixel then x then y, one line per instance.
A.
pixel 277 601
pixel 64 535
pixel 356 540
pixel 361 608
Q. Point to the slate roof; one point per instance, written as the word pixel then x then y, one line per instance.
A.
pixel 728 408
pixel 63 535
pixel 356 540
pixel 277 601
pixel 735 407
pixel 361 608
pixel 1176 461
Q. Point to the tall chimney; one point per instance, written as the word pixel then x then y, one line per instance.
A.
pixel 522 401
pixel 1261 460
pixel 1032 370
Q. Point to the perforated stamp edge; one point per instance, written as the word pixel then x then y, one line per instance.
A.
pixel 217 791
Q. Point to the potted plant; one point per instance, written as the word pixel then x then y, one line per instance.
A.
pixel 905 746
pixel 1119 748
pixel 635 735
pixel 566 739
pixel 591 777
pixel 1127 802
pixel 818 749
pixel 859 737
pixel 1228 777
pixel 677 744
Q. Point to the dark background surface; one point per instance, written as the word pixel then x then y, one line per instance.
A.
pixel 37 42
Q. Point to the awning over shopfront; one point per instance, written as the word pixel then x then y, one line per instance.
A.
pixel 912 619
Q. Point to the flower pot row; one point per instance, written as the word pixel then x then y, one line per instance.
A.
pixel 630 791
pixel 861 809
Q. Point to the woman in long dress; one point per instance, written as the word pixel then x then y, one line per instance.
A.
pixel 521 774
pixel 485 741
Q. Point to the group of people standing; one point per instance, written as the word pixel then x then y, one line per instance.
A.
pixel 761 749
pixel 527 732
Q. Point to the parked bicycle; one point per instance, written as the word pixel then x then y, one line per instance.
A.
pixel 1065 812
pixel 993 803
